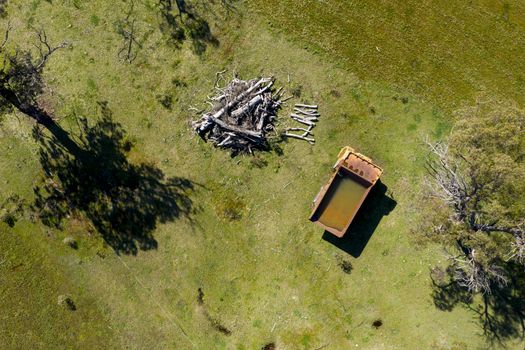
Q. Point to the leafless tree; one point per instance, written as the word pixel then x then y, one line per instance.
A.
pixel 448 184
pixel 21 77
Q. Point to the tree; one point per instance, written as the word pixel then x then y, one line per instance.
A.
pixel 474 206
pixel 21 80
pixel 476 193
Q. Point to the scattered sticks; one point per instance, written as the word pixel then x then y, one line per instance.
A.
pixel 307 115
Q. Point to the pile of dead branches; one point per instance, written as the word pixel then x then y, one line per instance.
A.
pixel 242 115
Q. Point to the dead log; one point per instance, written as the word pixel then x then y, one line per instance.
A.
pixel 262 121
pixel 306 106
pixel 308 118
pixel 301 111
pixel 299 129
pixel 237 130
pixel 308 139
pixel 245 109
pixel 302 120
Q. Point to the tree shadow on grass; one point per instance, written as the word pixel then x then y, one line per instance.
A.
pixel 501 313
pixel 123 201
pixel 374 208
pixel 180 20
pixel 3 11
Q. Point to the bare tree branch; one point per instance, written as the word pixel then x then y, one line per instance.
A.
pixel 45 49
pixel 471 274
pixel 518 249
pixel 21 80
pixel 6 36
pixel 457 183
pixel 448 183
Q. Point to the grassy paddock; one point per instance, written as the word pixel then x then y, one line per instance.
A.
pixel 264 272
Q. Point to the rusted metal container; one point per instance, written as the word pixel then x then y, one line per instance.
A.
pixel 337 203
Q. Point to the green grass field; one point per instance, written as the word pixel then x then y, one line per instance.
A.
pixel 385 75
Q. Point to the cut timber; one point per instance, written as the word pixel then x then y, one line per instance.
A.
pixel 310 140
pixel 308 118
pixel 300 111
pixel 300 129
pixel 303 121
pixel 305 106
pixel 307 115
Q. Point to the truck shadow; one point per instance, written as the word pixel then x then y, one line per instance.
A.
pixel 375 206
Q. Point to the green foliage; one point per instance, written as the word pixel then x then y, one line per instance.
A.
pixel 475 208
pixel 3 10
pixel 166 101
pixel 487 145
pixel 491 139
pixel 94 19
pixel 66 302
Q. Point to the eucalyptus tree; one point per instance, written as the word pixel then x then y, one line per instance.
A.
pixel 476 196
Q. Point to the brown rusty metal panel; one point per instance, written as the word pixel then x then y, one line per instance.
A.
pixel 337 203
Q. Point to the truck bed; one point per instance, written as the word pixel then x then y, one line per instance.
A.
pixel 339 200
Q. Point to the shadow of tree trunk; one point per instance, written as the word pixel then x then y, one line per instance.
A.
pixel 501 313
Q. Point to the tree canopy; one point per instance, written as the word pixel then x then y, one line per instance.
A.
pixel 476 191
pixel 473 206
